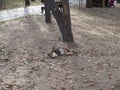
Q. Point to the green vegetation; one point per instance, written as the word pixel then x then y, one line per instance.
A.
pixel 9 4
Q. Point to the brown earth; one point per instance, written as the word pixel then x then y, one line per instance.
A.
pixel 25 43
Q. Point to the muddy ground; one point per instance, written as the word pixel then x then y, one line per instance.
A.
pixel 25 43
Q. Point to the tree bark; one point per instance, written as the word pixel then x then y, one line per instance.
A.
pixel 63 19
pixel 67 20
pixel 2 4
pixel 89 4
pixel 27 2
pixel 47 12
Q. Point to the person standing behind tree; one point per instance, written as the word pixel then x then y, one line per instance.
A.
pixel 111 3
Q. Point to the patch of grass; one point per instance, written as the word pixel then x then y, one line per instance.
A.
pixel 2 22
pixel 10 4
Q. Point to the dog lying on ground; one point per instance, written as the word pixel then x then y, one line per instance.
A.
pixel 61 49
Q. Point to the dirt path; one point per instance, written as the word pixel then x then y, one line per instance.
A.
pixel 25 42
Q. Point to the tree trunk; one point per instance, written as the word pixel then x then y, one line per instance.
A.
pixel 67 20
pixel 27 2
pixel 118 1
pixel 63 19
pixel 2 4
pixel 89 4
pixel 47 12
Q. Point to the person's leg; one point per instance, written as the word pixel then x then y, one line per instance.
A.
pixel 113 3
pixel 42 9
